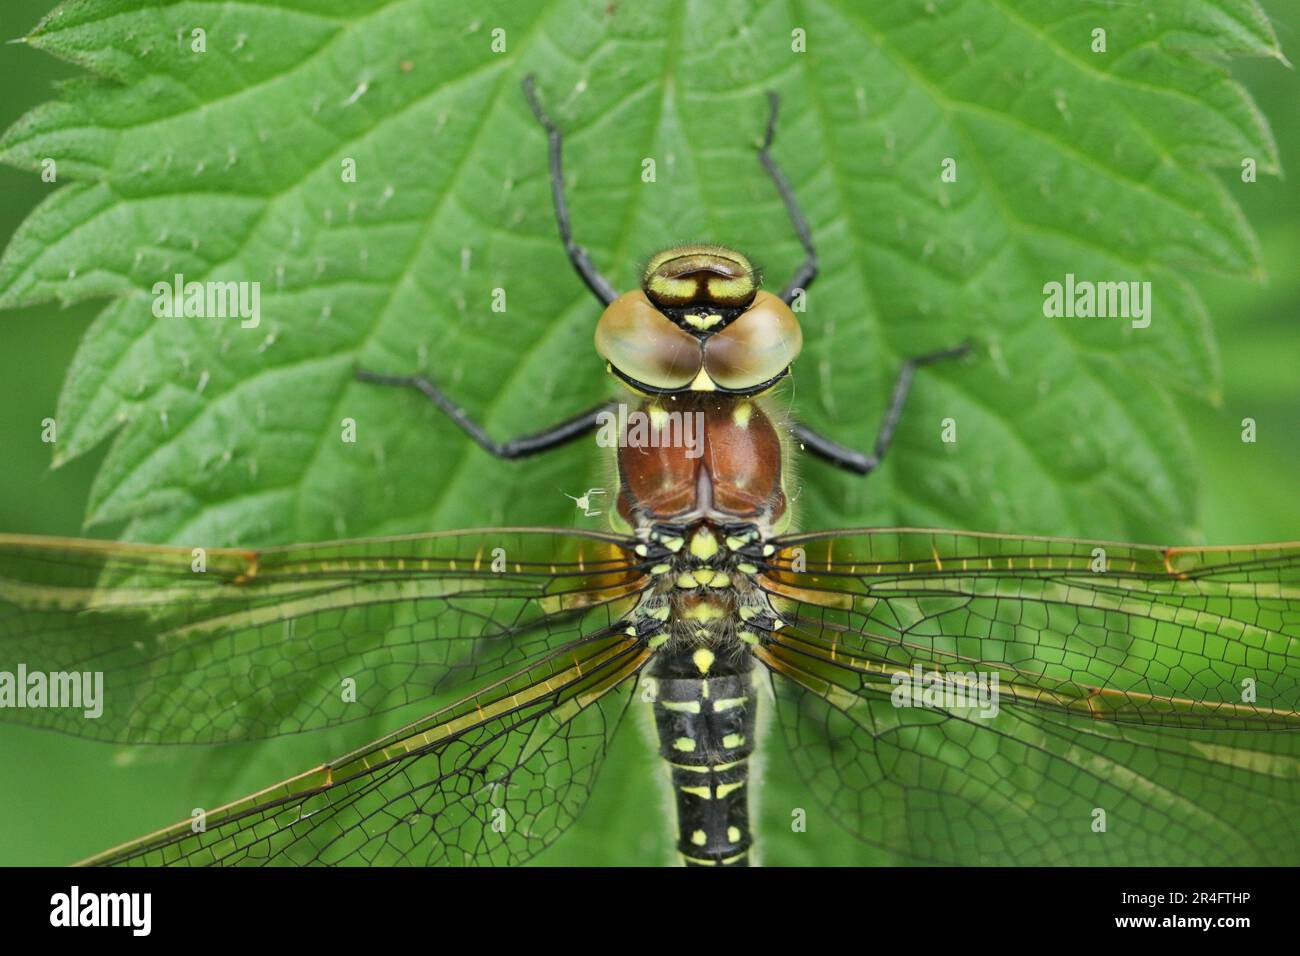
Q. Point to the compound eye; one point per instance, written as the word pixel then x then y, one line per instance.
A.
pixel 756 347
pixel 643 344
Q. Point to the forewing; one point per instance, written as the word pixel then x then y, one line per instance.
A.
pixel 490 780
pixel 1147 705
pixel 205 646
pixel 1189 637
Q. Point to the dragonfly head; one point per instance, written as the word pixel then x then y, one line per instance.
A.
pixel 699 323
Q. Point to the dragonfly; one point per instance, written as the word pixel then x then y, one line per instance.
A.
pixel 946 696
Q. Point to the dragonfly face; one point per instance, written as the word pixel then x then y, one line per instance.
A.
pixel 699 323
pixel 946 696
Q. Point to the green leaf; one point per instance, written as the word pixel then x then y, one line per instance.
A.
pixel 226 165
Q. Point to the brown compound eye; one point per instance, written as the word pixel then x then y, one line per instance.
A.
pixel 755 348
pixel 644 345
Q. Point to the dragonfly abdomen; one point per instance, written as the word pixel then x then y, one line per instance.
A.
pixel 704 713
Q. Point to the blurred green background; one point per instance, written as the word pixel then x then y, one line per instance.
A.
pixel 61 798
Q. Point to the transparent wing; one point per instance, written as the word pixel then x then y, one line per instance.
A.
pixel 220 645
pixel 490 780
pixel 1147 707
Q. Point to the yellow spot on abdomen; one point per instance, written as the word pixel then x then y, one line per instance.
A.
pixel 681 706
pixel 703 659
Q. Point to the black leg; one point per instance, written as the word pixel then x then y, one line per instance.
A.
pixel 854 460
pixel 596 282
pixel 802 278
pixel 521 447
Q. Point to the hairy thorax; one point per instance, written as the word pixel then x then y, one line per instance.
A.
pixel 701 485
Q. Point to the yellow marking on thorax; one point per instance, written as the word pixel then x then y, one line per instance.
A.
pixel 703 659
pixel 703 544
pixel 741 414
pixel 705 610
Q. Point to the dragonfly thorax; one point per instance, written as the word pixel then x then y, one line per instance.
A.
pixel 703 595
pixel 707 458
